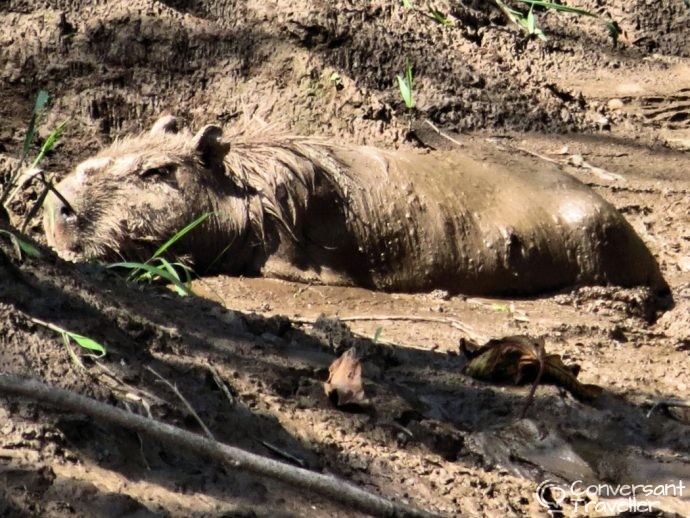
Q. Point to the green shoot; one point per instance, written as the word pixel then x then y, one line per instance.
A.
pixel 407 4
pixel 159 267
pixel 336 80
pixel 180 234
pixel 406 86
pixel 22 246
pixel 532 28
pixel 49 143
pixel 528 21
pixel 165 271
pixel 82 341
pixel 559 7
pixel 377 334
pixel 614 31
pixel 41 100
pixel 439 17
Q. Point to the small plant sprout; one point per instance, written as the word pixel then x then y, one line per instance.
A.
pixel 18 178
pixel 614 31
pixel 336 80
pixel 377 334
pixel 39 105
pixel 406 86
pixel 407 4
pixel 157 267
pixel 559 7
pixel 95 348
pixel 439 17
pixel 528 21
pixel 532 28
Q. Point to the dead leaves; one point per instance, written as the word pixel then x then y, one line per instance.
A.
pixel 344 386
pixel 520 360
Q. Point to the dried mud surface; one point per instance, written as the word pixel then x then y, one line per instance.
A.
pixel 431 436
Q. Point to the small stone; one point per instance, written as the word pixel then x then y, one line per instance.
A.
pixel 615 104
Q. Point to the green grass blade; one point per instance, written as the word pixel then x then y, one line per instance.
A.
pixel 514 16
pixel 439 17
pixel 559 7
pixel 406 86
pixel 155 271
pixel 180 234
pixel 404 91
pixel 41 100
pixel 377 334
pixel 407 4
pixel 165 264
pixel 87 343
pixel 531 23
pixel 49 143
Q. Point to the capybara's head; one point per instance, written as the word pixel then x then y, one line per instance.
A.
pixel 134 195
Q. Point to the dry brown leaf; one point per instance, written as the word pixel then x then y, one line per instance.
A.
pixel 516 359
pixel 344 385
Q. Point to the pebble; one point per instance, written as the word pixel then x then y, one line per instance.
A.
pixel 615 104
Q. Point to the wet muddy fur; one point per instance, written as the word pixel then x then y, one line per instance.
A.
pixel 305 209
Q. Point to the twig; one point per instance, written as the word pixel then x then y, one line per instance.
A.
pixel 222 385
pixel 667 403
pixel 538 155
pixel 541 356
pixel 444 135
pixel 186 403
pixel 469 331
pixel 135 394
pixel 284 454
pixel 324 485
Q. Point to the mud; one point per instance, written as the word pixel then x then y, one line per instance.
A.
pixel 434 437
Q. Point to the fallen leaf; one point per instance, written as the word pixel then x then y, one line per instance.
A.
pixel 515 359
pixel 344 385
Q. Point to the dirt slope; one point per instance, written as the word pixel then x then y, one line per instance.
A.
pixel 617 118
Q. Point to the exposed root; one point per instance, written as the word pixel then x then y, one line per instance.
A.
pixel 325 485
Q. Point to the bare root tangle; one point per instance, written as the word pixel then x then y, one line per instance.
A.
pixel 325 485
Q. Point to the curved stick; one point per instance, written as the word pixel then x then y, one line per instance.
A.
pixel 324 485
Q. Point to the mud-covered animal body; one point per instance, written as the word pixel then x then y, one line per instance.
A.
pixel 304 209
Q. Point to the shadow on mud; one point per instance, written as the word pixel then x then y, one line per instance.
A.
pixel 418 399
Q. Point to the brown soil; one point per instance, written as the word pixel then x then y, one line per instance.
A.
pixel 431 436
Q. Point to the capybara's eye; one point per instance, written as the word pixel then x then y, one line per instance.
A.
pixel 67 214
pixel 160 171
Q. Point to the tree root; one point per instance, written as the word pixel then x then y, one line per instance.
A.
pixel 325 485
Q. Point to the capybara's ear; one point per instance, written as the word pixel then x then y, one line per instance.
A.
pixel 208 144
pixel 166 124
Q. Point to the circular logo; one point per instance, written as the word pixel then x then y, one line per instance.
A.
pixel 550 495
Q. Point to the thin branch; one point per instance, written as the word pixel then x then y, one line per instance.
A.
pixel 668 403
pixel 538 155
pixel 222 385
pixel 325 485
pixel 541 356
pixel 186 403
pixel 469 331
pixel 444 135
pixel 284 454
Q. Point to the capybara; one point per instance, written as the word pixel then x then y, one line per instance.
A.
pixel 307 209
